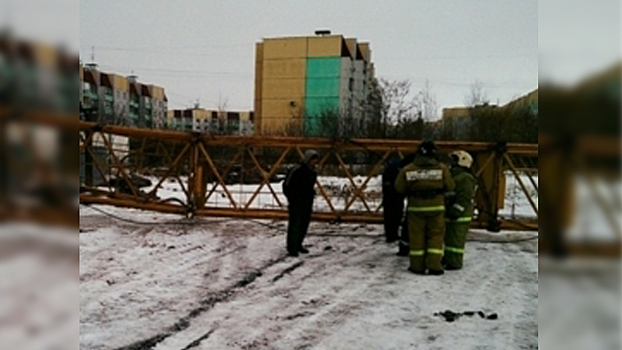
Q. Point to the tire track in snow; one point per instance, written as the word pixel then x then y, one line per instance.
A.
pixel 206 304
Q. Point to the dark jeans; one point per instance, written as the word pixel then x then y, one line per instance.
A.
pixel 393 213
pixel 299 218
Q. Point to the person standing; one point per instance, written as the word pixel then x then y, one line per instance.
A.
pixel 425 182
pixel 298 189
pixel 459 211
pixel 392 202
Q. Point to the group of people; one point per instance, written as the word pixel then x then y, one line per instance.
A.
pixel 439 208
pixel 438 212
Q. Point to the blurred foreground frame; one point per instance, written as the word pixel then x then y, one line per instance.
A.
pixel 39 157
pixel 580 152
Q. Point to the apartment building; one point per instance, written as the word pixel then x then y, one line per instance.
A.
pixel 458 121
pixel 116 99
pixel 36 75
pixel 211 121
pixel 299 79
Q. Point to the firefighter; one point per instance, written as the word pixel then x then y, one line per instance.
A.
pixel 459 210
pixel 425 182
pixel 393 202
pixel 298 188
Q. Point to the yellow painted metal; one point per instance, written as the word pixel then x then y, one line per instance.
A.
pixel 325 45
pixel 281 48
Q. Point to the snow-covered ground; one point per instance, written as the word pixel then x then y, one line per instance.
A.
pixel 227 284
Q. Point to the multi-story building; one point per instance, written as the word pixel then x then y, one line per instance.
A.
pixel 211 121
pixel 180 119
pixel 299 79
pixel 115 99
pixel 458 121
pixel 35 75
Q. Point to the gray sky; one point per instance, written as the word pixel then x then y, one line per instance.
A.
pixel 205 49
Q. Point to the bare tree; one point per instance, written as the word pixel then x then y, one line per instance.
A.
pixel 221 123
pixel 393 109
pixel 477 95
pixel 389 105
pixel 223 103
pixel 426 103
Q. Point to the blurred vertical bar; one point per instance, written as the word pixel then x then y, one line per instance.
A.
pixel 580 174
pixel 39 99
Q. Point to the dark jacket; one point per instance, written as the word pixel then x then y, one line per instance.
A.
pixel 390 173
pixel 298 185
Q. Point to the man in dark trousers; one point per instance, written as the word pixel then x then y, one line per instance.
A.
pixel 298 188
pixel 393 203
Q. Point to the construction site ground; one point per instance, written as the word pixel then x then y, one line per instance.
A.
pixel 161 283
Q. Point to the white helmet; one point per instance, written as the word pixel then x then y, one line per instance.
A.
pixel 462 158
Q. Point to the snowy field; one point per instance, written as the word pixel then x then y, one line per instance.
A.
pixel 227 284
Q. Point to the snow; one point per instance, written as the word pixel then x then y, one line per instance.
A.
pixel 590 221
pixel 38 289
pixel 579 304
pixel 227 284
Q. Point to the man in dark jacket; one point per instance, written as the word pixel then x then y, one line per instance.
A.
pixel 393 204
pixel 298 188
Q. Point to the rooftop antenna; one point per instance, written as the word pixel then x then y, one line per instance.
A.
pixel 92 65
pixel 132 78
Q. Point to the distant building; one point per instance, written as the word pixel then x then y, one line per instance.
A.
pixel 115 99
pixel 297 79
pixel 35 75
pixel 211 121
pixel 457 121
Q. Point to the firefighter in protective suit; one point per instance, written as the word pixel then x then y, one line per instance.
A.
pixel 459 210
pixel 425 182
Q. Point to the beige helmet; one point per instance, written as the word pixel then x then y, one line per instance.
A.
pixel 462 158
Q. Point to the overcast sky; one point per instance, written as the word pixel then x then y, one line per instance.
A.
pixel 199 49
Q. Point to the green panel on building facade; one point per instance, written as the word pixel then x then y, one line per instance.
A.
pixel 315 107
pixel 323 67
pixel 323 87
